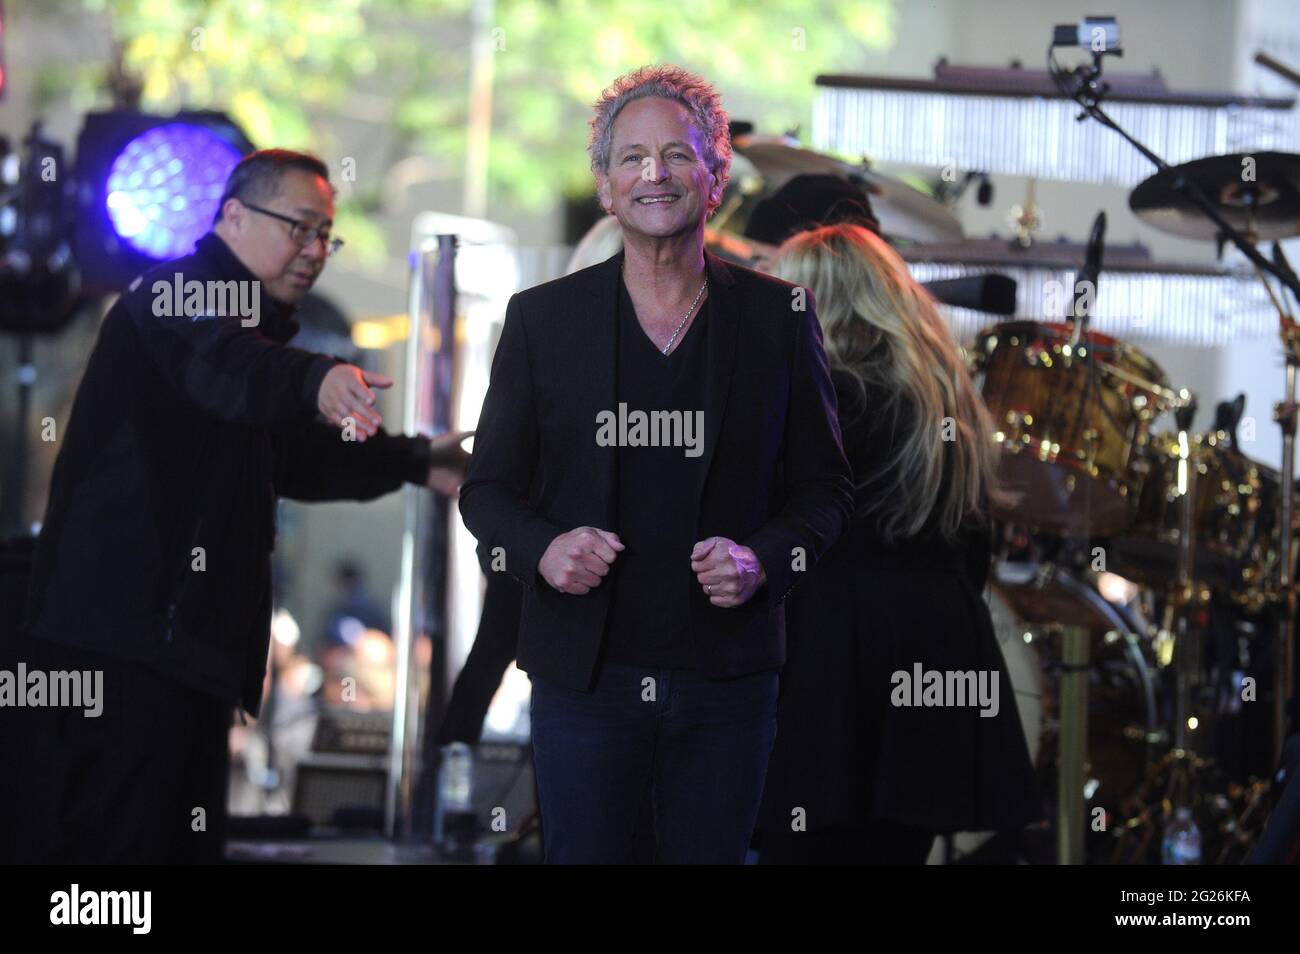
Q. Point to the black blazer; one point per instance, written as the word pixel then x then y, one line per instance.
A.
pixel 182 434
pixel 774 476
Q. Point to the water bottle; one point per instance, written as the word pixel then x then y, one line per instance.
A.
pixel 1182 843
pixel 453 825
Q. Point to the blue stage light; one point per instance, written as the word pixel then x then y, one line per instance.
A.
pixel 164 186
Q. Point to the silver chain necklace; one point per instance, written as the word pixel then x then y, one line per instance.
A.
pixel 689 311
pixel 687 316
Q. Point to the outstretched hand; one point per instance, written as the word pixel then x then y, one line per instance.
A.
pixel 345 396
pixel 447 462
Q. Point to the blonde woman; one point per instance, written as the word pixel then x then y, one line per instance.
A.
pixel 873 757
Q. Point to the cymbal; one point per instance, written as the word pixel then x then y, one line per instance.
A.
pixel 778 160
pixel 903 212
pixel 1255 192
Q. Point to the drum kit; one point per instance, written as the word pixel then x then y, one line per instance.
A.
pixel 1116 523
pixel 1170 525
pixel 1139 580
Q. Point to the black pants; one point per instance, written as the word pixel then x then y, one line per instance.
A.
pixel 143 783
pixel 489 658
pixel 878 844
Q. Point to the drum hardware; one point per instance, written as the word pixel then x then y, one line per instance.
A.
pixel 1183 597
pixel 1071 761
pixel 1075 762
pixel 1285 414
pixel 1230 816
pixel 1182 777
pixel 1178 642
pixel 1179 603
pixel 1207 469
pixel 1242 831
pixel 1243 209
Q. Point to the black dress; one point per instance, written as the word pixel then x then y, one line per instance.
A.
pixel 844 753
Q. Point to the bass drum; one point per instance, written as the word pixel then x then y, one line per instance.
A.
pixel 1122 721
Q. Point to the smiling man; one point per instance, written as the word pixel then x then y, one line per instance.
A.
pixel 153 564
pixel 652 624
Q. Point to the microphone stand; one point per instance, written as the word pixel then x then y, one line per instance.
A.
pixel 1089 93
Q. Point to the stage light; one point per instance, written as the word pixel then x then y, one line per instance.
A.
pixel 163 188
pixel 147 189
pixel 38 280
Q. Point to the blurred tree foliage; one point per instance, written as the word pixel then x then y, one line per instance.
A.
pixel 287 69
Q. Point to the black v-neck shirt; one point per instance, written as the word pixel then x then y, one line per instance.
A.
pixel 649 618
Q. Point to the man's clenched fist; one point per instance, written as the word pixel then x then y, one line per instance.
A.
pixel 577 561
pixel 728 573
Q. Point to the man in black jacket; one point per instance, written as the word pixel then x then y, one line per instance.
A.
pixel 658 460
pixel 153 564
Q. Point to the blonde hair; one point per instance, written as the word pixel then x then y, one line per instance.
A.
pixel 603 240
pixel 884 329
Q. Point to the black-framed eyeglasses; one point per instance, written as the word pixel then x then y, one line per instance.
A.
pixel 301 233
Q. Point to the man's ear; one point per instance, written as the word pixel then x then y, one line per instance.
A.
pixel 603 193
pixel 232 213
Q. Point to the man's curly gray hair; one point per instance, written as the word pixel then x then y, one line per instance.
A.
pixel 667 82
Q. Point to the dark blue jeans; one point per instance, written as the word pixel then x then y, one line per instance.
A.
pixel 697 748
